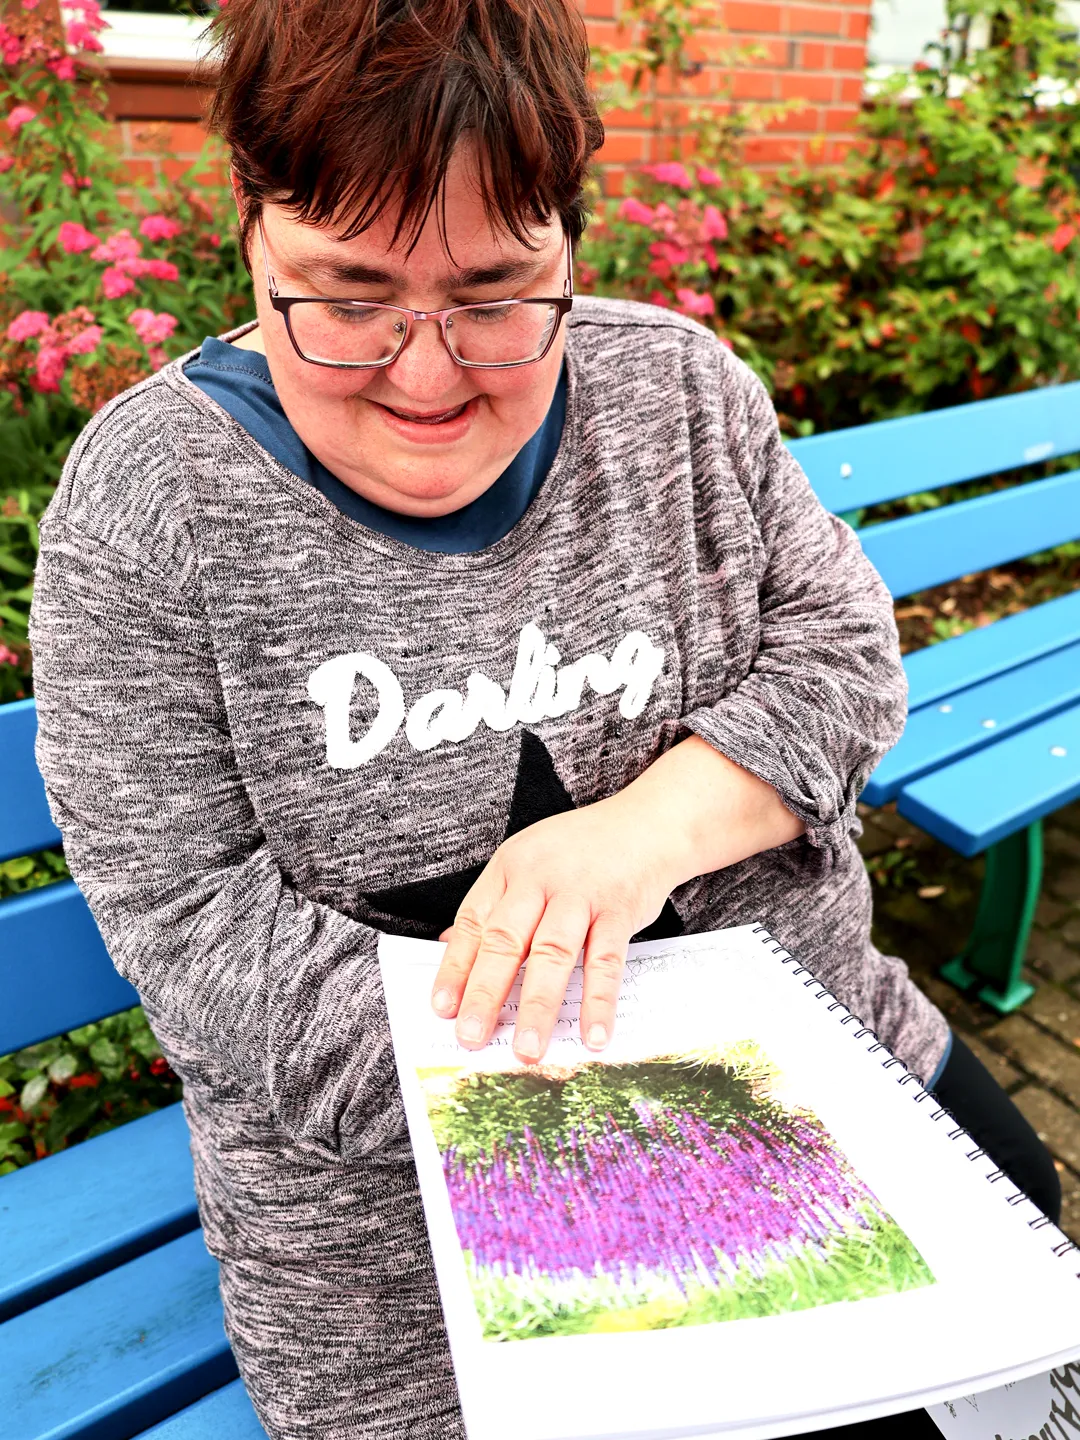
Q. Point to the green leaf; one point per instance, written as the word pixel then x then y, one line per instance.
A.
pixel 63 1068
pixel 106 1054
pixel 74 1111
pixel 34 1091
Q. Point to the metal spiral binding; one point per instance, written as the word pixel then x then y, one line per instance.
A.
pixel 1065 1245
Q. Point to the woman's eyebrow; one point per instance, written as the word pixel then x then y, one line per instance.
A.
pixel 348 272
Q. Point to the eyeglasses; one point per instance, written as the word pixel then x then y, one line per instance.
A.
pixel 363 334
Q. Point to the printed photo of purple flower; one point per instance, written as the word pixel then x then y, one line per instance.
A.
pixel 672 1191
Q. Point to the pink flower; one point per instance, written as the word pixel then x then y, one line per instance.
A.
pixel 715 226
pixel 121 246
pixel 634 211
pixel 666 250
pixel 671 172
pixel 159 269
pixel 75 182
pixel 75 238
pixel 80 36
pixel 8 657
pixel 27 325
pixel 6 162
pixel 20 116
pixel 11 47
pixel 85 341
pixel 49 368
pixel 152 329
pixel 159 227
pixel 30 4
pixel 115 283
pixel 157 357
pixel 708 177
pixel 63 67
pixel 691 303
pixel 215 239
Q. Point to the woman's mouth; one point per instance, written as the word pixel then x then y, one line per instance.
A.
pixel 432 426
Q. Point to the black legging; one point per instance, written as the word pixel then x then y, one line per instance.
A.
pixel 968 1090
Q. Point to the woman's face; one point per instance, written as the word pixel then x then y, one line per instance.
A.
pixel 344 416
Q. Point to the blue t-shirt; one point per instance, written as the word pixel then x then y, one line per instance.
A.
pixel 239 380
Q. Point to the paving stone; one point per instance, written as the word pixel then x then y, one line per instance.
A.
pixel 895 825
pixel 875 840
pixel 1056 1011
pixel 1049 913
pixel 1041 1055
pixel 1061 842
pixel 964 1013
pixel 1007 1076
pixel 1056 1124
pixel 1069 818
pixel 1065 884
pixel 1053 958
pixel 1070 931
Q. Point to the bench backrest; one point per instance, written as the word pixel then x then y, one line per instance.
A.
pixel 55 972
pixel 870 464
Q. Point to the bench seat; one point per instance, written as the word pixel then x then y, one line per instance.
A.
pixel 227 1414
pixel 135 1191
pixel 982 715
pixel 120 1353
pixel 978 801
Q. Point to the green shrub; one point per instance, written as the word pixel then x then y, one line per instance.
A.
pixel 101 280
pixel 79 1085
pixel 938 264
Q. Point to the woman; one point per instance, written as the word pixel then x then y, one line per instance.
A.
pixel 516 624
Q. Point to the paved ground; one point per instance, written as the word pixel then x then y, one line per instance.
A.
pixel 924 900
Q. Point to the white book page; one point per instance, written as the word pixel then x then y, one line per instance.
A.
pixel 978 1263
pixel 1046 1406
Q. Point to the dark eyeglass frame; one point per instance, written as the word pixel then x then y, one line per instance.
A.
pixel 284 303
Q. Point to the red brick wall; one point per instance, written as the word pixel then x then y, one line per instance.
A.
pixel 810 52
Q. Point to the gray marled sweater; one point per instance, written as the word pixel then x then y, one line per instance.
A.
pixel 267 732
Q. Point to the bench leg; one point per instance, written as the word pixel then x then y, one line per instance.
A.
pixel 995 952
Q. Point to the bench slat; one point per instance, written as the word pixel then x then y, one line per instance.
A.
pixel 938 545
pixel 120 1353
pixel 940 733
pixel 93 1207
pixel 50 932
pixel 25 822
pixel 965 660
pixel 225 1415
pixel 890 458
pixel 981 799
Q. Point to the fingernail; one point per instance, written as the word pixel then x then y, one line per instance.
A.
pixel 443 1001
pixel 597 1037
pixel 470 1028
pixel 527 1044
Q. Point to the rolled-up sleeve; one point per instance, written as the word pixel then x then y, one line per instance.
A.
pixel 825 694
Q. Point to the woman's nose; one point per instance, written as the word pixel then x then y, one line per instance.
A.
pixel 424 369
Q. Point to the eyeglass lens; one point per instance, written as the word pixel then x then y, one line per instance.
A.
pixel 360 334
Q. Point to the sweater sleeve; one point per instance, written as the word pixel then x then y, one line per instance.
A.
pixel 825 694
pixel 160 835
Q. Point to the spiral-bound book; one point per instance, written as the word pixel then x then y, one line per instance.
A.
pixel 745 1218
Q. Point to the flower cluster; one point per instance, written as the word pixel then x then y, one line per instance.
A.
pixel 22 44
pixel 58 338
pixel 692 1202
pixel 680 239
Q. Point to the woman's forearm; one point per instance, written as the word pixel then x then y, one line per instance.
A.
pixel 703 810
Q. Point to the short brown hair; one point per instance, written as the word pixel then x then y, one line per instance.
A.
pixel 331 107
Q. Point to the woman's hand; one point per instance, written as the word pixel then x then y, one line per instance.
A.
pixel 592 878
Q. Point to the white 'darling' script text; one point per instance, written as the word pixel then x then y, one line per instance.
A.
pixel 538 689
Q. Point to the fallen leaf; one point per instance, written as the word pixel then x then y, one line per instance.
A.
pixel 931 892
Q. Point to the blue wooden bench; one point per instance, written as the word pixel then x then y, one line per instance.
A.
pixel 992 742
pixel 110 1314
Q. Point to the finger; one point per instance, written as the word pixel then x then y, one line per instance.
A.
pixel 553 954
pixel 463 941
pixel 446 934
pixel 605 961
pixel 504 944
